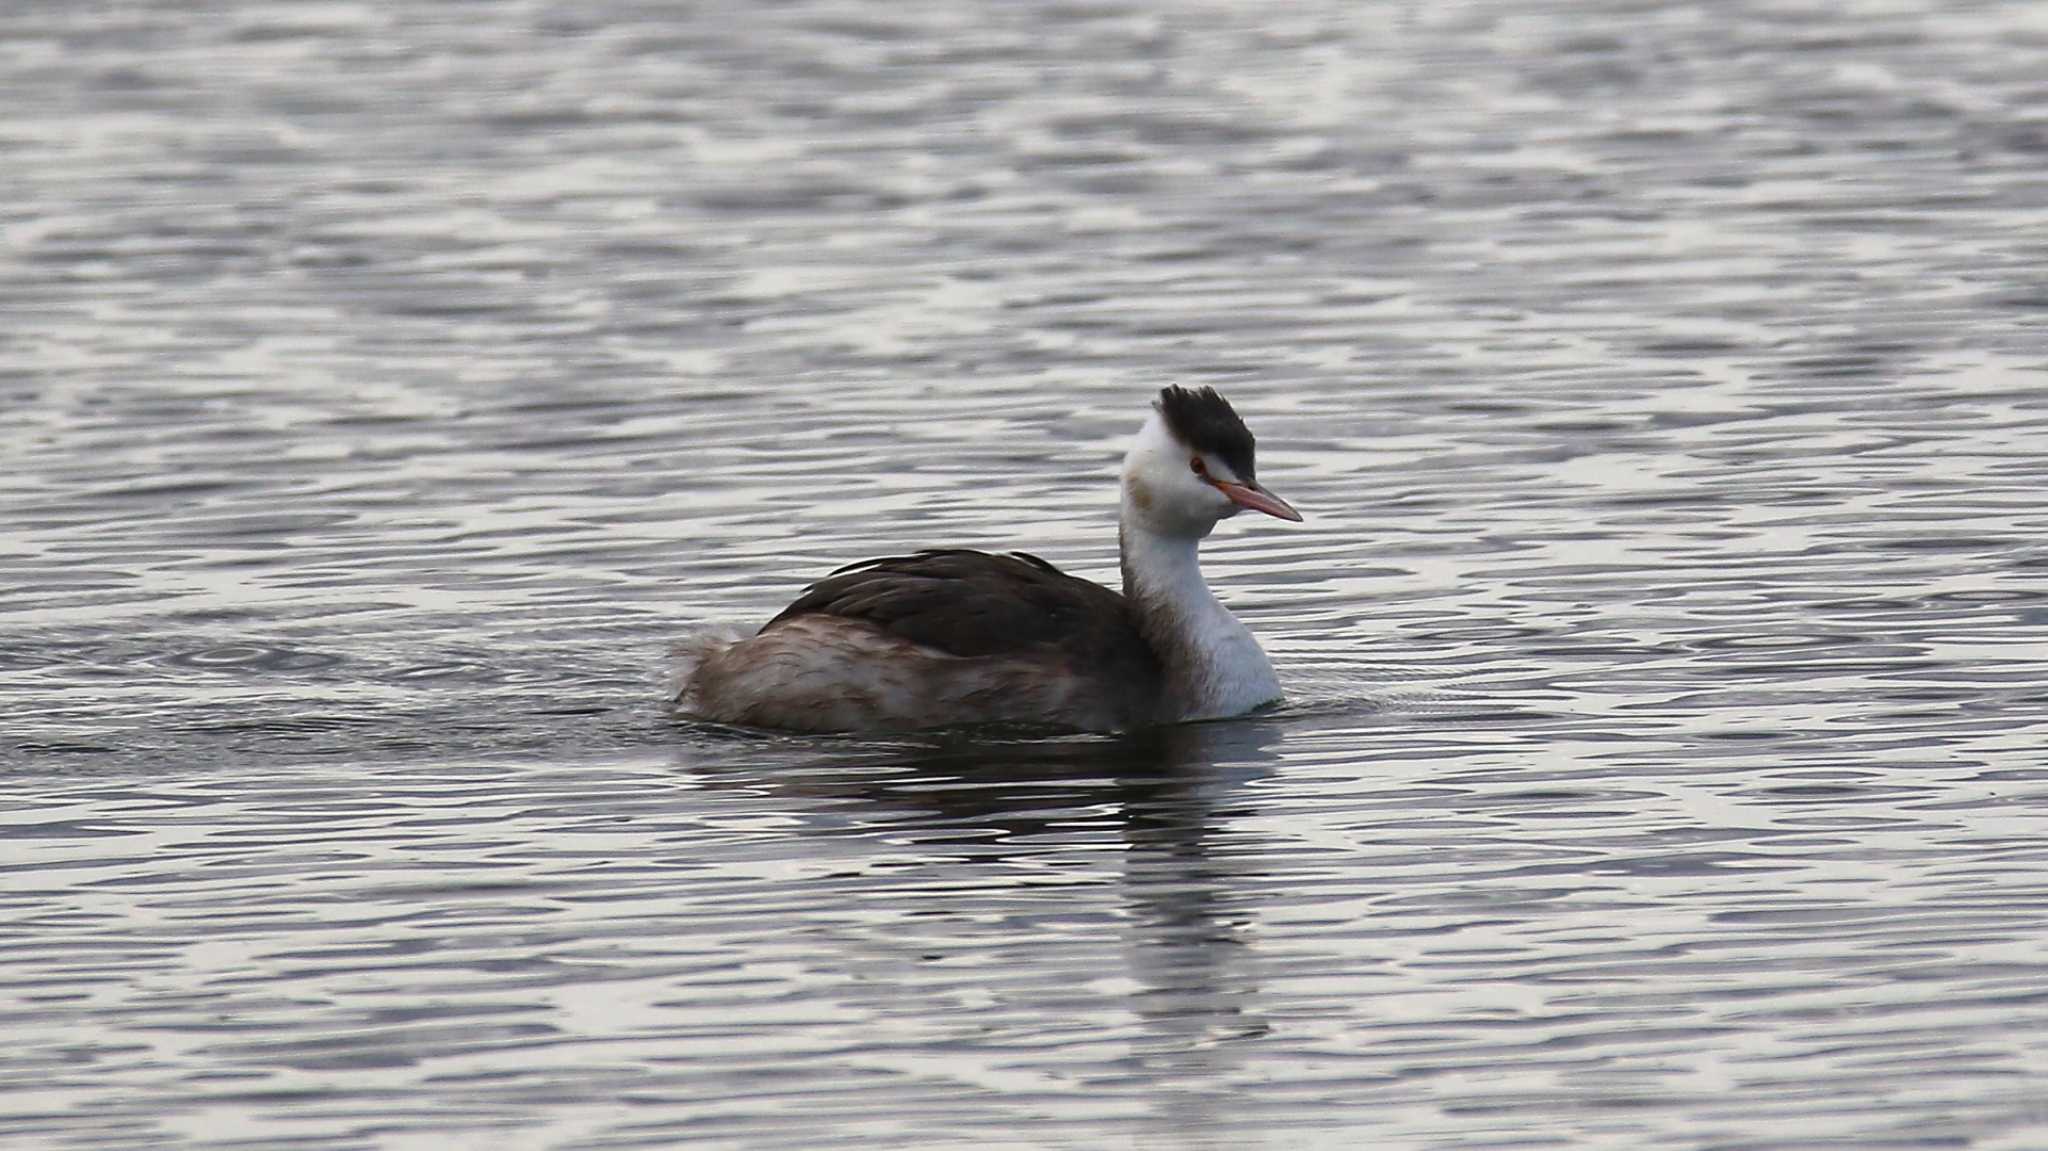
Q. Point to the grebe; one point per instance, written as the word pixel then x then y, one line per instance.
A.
pixel 951 637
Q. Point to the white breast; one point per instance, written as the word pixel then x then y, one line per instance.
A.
pixel 1229 672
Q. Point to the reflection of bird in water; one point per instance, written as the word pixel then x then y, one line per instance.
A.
pixel 953 637
pixel 1111 860
pixel 948 783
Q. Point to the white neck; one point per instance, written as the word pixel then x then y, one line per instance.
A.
pixel 1214 667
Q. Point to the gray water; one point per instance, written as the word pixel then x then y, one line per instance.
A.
pixel 387 386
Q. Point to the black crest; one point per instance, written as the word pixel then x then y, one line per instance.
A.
pixel 1204 421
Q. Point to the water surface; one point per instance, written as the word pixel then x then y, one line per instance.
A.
pixel 387 386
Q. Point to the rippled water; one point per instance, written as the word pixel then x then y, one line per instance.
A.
pixel 386 386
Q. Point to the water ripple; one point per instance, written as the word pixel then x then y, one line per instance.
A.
pixel 389 387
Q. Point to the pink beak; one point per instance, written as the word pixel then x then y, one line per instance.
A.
pixel 1258 499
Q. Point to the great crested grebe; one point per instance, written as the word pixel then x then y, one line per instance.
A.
pixel 954 637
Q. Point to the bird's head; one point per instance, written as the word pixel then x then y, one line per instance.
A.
pixel 1192 465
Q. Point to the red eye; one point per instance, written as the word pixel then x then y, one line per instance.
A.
pixel 1198 467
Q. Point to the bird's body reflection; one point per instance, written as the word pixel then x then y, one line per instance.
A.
pixel 1164 800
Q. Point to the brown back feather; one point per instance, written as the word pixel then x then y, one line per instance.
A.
pixel 970 603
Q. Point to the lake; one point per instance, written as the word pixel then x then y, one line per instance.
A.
pixel 387 387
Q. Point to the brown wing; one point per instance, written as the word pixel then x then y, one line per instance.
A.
pixel 971 603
